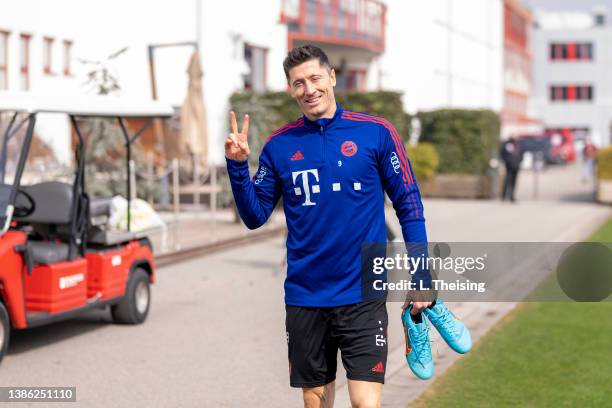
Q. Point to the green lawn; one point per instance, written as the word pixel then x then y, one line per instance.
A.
pixel 604 234
pixel 540 355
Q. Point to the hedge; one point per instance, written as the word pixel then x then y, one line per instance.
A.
pixel 465 139
pixel 604 163
pixel 271 110
pixel 424 160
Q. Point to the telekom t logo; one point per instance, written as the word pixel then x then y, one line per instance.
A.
pixel 315 188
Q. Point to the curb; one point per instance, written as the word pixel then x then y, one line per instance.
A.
pixel 214 247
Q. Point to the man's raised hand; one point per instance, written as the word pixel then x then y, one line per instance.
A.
pixel 237 145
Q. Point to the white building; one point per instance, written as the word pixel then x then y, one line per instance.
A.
pixel 38 53
pixel 439 54
pixel 572 61
pixel 242 46
pixel 445 53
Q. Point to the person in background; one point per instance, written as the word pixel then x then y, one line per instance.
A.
pixel 512 155
pixel 589 154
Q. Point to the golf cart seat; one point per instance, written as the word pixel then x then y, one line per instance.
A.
pixel 53 201
pixel 55 238
pixel 46 252
pixel 99 211
pixel 98 233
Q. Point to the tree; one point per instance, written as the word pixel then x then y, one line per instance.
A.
pixel 105 152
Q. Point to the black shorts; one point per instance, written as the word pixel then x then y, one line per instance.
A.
pixel 314 336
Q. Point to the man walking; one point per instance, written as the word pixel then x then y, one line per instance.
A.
pixel 512 156
pixel 589 156
pixel 331 167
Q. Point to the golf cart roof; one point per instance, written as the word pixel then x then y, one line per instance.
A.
pixel 80 105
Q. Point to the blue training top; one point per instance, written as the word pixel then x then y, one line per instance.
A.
pixel 332 175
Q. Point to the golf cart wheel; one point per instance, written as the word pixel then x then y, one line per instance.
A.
pixel 134 306
pixel 5 330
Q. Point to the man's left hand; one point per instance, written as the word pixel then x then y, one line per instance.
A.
pixel 417 307
pixel 419 299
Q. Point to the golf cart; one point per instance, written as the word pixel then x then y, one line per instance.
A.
pixel 58 258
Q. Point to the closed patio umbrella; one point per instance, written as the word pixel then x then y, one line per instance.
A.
pixel 193 113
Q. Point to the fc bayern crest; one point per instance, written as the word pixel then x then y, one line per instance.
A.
pixel 348 148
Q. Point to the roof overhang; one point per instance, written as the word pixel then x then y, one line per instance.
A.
pixel 80 105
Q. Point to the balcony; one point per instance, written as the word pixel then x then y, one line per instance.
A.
pixel 358 24
pixel 517 22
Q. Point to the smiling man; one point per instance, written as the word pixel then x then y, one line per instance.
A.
pixel 332 168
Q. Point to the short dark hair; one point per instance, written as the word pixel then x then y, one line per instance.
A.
pixel 304 53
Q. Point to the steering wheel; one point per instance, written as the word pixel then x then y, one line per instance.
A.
pixel 23 209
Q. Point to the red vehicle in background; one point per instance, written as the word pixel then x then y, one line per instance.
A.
pixel 58 258
pixel 555 147
pixel 563 149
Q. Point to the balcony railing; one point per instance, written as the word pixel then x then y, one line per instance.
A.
pixel 356 23
pixel 516 27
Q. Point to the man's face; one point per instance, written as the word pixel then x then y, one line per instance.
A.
pixel 312 86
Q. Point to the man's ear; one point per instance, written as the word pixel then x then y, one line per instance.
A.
pixel 290 90
pixel 332 75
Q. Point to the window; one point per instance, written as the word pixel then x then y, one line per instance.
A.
pixel 67 57
pixel 571 51
pixel 515 103
pixel 255 57
pixel 585 93
pixel 24 62
pixel 356 80
pixel 290 10
pixel 349 6
pixel 571 93
pixel 585 51
pixel 556 51
pixel 4 59
pixel 515 26
pixel 47 55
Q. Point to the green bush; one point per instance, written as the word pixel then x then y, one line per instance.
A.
pixel 604 163
pixel 271 110
pixel 424 159
pixel 466 140
pixel 385 104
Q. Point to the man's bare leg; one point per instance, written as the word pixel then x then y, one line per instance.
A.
pixel 320 397
pixel 365 394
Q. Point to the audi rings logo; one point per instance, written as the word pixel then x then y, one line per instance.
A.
pixel 395 162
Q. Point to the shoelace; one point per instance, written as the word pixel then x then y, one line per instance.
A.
pixel 419 339
pixel 447 321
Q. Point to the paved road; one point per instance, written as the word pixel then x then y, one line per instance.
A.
pixel 215 336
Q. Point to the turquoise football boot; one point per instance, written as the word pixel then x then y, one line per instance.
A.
pixel 453 331
pixel 418 349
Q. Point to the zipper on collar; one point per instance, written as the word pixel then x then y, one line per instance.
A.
pixel 323 153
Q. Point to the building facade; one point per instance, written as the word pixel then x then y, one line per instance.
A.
pixel 443 54
pixel 573 88
pixel 438 54
pixel 517 71
pixel 242 45
pixel 248 53
pixel 352 32
pixel 38 54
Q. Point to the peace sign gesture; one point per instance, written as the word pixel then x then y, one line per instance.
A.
pixel 237 145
